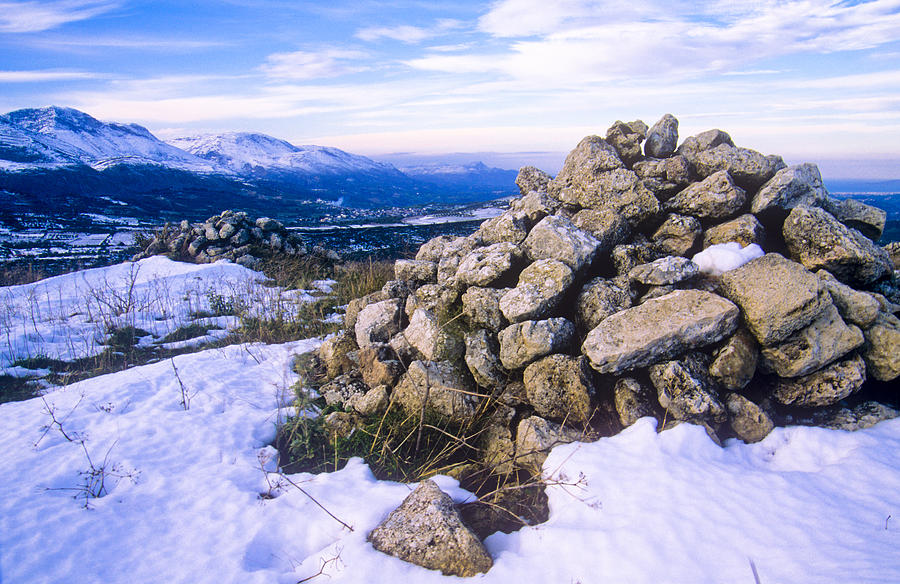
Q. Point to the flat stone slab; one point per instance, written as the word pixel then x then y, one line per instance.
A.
pixel 659 329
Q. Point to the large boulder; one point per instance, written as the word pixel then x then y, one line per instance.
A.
pixel 441 386
pixel 626 139
pixel 791 187
pixel 714 198
pixel 859 308
pixel 557 238
pixel 748 168
pixel 662 137
pixel 882 348
pixel 378 322
pixel 426 530
pixel 825 339
pixel 777 296
pixel 481 306
pixel 486 266
pixel 535 206
pixel 659 329
pixel 532 180
pixel 634 400
pixel 734 363
pixel 511 226
pixel 541 287
pixel 750 422
pixel 433 341
pixel 591 157
pixel 622 191
pixel 818 240
pixel 524 342
pixel 745 230
pixel 560 388
pixel 855 214
pixel 694 145
pixel 678 234
pixel 483 359
pixel 824 387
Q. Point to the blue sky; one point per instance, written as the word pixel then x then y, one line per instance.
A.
pixel 812 79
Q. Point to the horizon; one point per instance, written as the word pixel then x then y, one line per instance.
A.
pixel 811 81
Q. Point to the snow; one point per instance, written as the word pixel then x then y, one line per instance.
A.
pixel 722 257
pixel 182 501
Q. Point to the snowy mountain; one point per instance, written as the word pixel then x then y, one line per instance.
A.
pixel 56 136
pixel 470 176
pixel 244 152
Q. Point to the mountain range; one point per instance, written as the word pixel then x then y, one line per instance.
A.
pixel 64 160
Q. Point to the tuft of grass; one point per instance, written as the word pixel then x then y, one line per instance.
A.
pixel 16 274
pixel 189 331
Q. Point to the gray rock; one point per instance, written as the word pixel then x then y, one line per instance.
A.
pixel 488 265
pixel 355 306
pixel 532 180
pixel 734 363
pixel 419 271
pixel 541 287
pixel 444 387
pixel 662 137
pixel 750 422
pixel 267 224
pixel 511 226
pixel 818 240
pixel 535 206
pixel 378 322
pixel 433 297
pixel 426 530
pixel 342 388
pixel 882 348
pixel 629 255
pixel 789 188
pixel 599 299
pixel 686 391
pixel 855 214
pixel 373 402
pixel 633 400
pixel 864 415
pixel 227 231
pixel 856 307
pixel 824 387
pixel 483 359
pixel 667 270
pixel 610 228
pixel 401 289
pixel 626 140
pixel 824 340
pixel 340 424
pixel 560 388
pixel 557 238
pixel 197 245
pixel 481 306
pixel 777 296
pixel 592 157
pixel 745 230
pixel 535 436
pixel 334 353
pixel 694 145
pixel 443 246
pixel 715 198
pixel 498 449
pixel 379 366
pixel 433 341
pixel 659 329
pixel 678 234
pixel 524 342
pixel 664 177
pixel 893 251
pixel 748 168
pixel 621 191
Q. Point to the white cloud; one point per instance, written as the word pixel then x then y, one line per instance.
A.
pixel 36 16
pixel 304 65
pixel 406 33
pixel 45 75
pixel 162 44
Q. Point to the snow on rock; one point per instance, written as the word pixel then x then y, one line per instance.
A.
pixel 722 257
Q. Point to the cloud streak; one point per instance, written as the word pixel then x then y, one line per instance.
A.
pixel 33 16
pixel 305 65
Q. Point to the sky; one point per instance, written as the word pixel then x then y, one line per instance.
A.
pixel 812 80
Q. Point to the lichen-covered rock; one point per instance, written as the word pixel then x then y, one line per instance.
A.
pixel 882 348
pixel 557 238
pixel 659 329
pixel 678 234
pixel 560 388
pixel 535 436
pixel 750 422
pixel 791 187
pixel 442 386
pixel 524 342
pixel 433 341
pixel 541 287
pixel 694 145
pixel 421 271
pixel 499 449
pixel 855 214
pixel 859 308
pixel 511 226
pixel 432 297
pixel 714 198
pixel 489 265
pixel 825 339
pixel 686 391
pixel 745 230
pixel 379 366
pixel 640 251
pixel 893 251
pixel 443 246
pixel 590 158
pixel 824 387
pixel 620 190
pixel 599 299
pixel 426 530
pixel 777 296
pixel 483 359
pixel 334 353
pixel 342 388
pixel 662 138
pixel 535 206
pixel 373 402
pixel 626 140
pixel 532 180
pixel 633 401
pixel 818 240
pixel 748 168
pixel 664 177
pixel 734 363
pixel 378 322
pixel 355 306
pixel 481 306
pixel 864 415
pixel 667 270
pixel 610 228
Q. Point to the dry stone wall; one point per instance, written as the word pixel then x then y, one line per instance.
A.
pixel 581 308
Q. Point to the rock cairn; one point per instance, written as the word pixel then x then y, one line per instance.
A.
pixel 583 300
pixel 229 235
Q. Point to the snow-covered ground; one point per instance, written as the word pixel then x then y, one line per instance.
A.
pixel 183 486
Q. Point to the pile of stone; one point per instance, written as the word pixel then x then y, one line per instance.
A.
pixel 583 302
pixel 229 235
